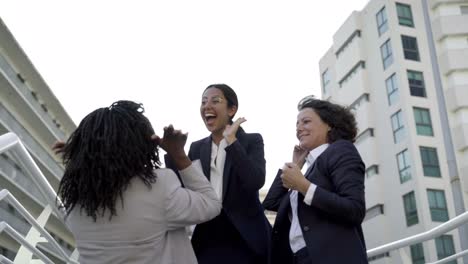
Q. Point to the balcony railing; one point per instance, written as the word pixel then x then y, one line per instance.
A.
pixel 37 234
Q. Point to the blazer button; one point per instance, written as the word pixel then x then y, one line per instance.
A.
pixel 305 228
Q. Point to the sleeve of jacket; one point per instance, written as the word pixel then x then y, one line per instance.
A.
pixel 194 204
pixel 275 194
pixel 346 171
pixel 249 164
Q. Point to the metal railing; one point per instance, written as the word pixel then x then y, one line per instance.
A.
pixel 424 236
pixel 11 143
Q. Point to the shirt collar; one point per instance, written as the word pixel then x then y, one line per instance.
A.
pixel 315 153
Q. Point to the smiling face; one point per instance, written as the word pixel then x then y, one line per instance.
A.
pixel 310 129
pixel 214 110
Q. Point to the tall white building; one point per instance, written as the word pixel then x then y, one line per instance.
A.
pixel 29 109
pixel 403 67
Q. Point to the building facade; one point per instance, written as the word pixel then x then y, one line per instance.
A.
pixel 403 67
pixel 29 109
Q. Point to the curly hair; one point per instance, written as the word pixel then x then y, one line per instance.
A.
pixel 340 119
pixel 111 146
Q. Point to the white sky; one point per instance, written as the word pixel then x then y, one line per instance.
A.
pixel 164 53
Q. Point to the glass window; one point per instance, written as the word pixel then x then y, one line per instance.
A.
pixel 410 48
pixel 372 170
pixel 416 83
pixel 387 56
pixel 430 161
pixel 325 80
pixel 422 117
pixel 382 25
pixel 437 205
pixel 392 89
pixel 417 254
pixel 445 247
pixel 405 16
pixel 411 213
pixel 404 166
pixel 398 127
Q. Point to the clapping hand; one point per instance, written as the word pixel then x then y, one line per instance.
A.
pixel 173 143
pixel 231 130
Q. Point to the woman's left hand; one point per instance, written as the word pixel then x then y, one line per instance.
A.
pixel 231 130
pixel 293 178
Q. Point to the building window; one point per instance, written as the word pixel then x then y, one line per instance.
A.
pixel 411 212
pixel 422 117
pixel 438 205
pixel 374 211
pixel 430 161
pixel 398 127
pixel 416 83
pixel 392 89
pixel 382 25
pixel 410 48
pixel 404 166
pixel 417 254
pixel 372 170
pixel 445 248
pixel 325 81
pixel 405 16
pixel 387 56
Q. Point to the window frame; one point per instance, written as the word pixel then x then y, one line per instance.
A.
pixel 392 95
pixel 414 85
pixel 410 48
pixel 386 54
pixel 438 207
pixel 430 161
pixel 382 21
pixel 417 254
pixel 404 166
pixel 398 132
pixel 405 18
pixel 423 121
pixel 411 214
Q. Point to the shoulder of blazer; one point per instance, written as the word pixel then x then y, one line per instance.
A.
pixel 337 149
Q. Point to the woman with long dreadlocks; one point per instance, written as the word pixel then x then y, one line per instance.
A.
pixel 121 207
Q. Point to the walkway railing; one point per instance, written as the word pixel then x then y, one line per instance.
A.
pixel 428 235
pixel 37 234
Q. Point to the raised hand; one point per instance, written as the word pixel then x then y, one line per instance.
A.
pixel 173 143
pixel 299 156
pixel 230 131
pixel 58 147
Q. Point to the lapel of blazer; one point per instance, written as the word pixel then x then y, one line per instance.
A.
pixel 228 163
pixel 309 171
pixel 205 156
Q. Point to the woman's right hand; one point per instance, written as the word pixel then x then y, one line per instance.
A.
pixel 173 143
pixel 299 156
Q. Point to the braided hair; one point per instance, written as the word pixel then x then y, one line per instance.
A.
pixel 111 146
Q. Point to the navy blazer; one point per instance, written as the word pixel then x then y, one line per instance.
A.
pixel 331 225
pixel 244 175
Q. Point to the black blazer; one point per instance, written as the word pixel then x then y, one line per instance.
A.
pixel 331 225
pixel 244 175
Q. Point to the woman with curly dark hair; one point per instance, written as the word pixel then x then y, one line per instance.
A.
pixel 320 212
pixel 121 207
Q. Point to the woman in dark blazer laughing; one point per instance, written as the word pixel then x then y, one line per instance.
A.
pixel 320 212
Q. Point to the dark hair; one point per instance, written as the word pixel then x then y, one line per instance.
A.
pixel 110 146
pixel 340 119
pixel 228 92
